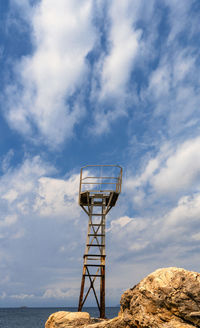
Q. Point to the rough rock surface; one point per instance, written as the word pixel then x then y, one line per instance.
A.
pixel 64 319
pixel 167 298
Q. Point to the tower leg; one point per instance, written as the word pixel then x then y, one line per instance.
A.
pixel 102 293
pixel 80 305
pixel 102 282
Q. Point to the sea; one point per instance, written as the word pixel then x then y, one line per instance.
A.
pixel 36 317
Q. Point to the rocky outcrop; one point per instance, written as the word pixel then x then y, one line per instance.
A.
pixel 167 298
pixel 64 319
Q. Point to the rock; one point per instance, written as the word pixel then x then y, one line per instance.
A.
pixel 112 323
pixel 168 297
pixel 63 319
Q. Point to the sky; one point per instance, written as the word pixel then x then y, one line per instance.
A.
pixel 97 82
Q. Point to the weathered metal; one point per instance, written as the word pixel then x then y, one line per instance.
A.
pixel 96 203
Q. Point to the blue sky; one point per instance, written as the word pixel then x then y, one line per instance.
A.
pixel 97 82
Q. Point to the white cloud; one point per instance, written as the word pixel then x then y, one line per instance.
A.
pixel 150 168
pixel 178 17
pixel 160 81
pixel 123 221
pixel 62 36
pixel 64 248
pixel 176 232
pixel 8 220
pixel 164 237
pixel 11 195
pixel 110 95
pixel 19 234
pixel 22 296
pixel 181 171
pixel 18 190
pixel 42 247
pixel 126 235
pixel 124 41
pixel 196 236
pixel 173 91
pixel 139 246
pixel 20 182
pixel 58 197
pixel 27 190
pixel 59 294
pixel 185 213
pixel 6 160
pixel 184 64
pixel 173 172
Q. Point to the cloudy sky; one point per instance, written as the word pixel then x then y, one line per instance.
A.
pixel 97 82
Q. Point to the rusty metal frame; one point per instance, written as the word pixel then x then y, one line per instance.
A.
pixel 101 199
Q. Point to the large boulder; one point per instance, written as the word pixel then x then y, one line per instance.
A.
pixel 168 297
pixel 63 319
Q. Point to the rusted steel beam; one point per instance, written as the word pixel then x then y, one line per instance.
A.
pixel 80 305
pixel 102 293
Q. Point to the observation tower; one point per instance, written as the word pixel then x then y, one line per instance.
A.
pixel 100 186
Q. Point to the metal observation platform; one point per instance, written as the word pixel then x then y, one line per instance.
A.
pixel 100 186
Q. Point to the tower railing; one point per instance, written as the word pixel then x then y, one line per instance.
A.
pixel 102 183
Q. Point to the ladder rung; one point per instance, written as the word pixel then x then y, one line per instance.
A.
pixel 97 214
pixel 97 224
pixel 97 255
pixel 95 245
pixel 93 275
pixel 96 235
pixel 95 265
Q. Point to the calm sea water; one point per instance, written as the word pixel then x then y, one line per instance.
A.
pixel 36 317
